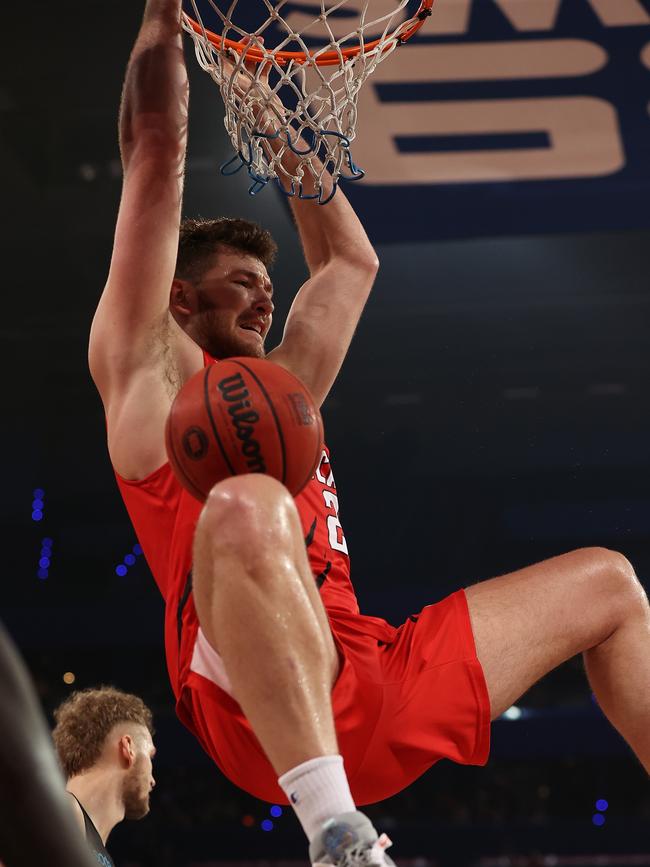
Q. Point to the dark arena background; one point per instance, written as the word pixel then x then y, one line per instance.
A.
pixel 494 410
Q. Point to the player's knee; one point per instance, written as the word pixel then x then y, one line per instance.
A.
pixel 247 513
pixel 632 597
pixel 616 584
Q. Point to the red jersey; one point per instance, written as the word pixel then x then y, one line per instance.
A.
pixel 404 697
pixel 164 516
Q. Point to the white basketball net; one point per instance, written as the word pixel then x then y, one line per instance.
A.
pixel 299 125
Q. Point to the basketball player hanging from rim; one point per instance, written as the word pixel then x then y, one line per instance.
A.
pixel 296 696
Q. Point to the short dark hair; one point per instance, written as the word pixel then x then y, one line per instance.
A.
pixel 200 241
pixel 84 720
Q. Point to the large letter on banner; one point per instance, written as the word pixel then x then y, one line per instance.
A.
pixel 342 25
pixel 583 132
pixel 452 16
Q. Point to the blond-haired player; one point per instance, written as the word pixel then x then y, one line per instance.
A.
pixel 104 739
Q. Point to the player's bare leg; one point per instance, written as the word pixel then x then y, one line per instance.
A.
pixel 588 601
pixel 259 607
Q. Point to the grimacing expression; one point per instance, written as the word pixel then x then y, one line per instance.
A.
pixel 234 306
pixel 139 780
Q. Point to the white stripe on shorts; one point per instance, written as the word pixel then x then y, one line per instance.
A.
pixel 207 662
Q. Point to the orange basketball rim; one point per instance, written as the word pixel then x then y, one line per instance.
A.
pixel 326 58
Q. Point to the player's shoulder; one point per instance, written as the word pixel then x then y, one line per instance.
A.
pixel 163 355
pixel 137 406
pixel 77 812
pixel 118 355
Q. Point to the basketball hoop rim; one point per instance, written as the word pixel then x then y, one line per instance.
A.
pixel 327 58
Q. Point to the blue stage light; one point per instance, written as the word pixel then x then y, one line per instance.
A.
pixel 267 825
pixel 129 560
pixel 276 811
pixel 44 560
pixel 38 504
pixel 598 819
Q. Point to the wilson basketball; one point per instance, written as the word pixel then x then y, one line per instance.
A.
pixel 243 415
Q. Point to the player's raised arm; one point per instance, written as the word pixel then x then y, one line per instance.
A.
pixel 152 132
pixel 342 265
pixel 324 315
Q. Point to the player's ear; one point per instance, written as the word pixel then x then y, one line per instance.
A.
pixel 181 298
pixel 127 750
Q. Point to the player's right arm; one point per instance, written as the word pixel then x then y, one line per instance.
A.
pixel 133 342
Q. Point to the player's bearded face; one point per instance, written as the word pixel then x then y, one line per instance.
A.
pixel 233 307
pixel 220 334
pixel 137 788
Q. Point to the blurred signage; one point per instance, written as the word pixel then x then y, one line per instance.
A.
pixel 508 117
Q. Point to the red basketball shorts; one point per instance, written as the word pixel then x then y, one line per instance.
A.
pixel 405 697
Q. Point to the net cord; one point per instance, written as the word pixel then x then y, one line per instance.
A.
pixel 306 118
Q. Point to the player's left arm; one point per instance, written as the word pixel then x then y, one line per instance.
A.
pixel 342 266
pixel 326 310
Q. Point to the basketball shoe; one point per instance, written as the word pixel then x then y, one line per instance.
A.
pixel 350 840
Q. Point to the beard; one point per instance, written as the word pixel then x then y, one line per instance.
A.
pixel 218 339
pixel 135 795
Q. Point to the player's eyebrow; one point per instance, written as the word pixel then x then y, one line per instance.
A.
pixel 255 276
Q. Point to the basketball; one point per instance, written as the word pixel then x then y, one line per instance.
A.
pixel 243 415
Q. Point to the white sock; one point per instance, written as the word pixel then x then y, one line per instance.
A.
pixel 317 790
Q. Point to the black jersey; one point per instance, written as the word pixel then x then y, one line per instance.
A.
pixel 94 840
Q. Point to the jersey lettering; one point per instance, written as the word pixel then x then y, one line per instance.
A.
pixel 325 465
pixel 335 535
pixel 334 529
